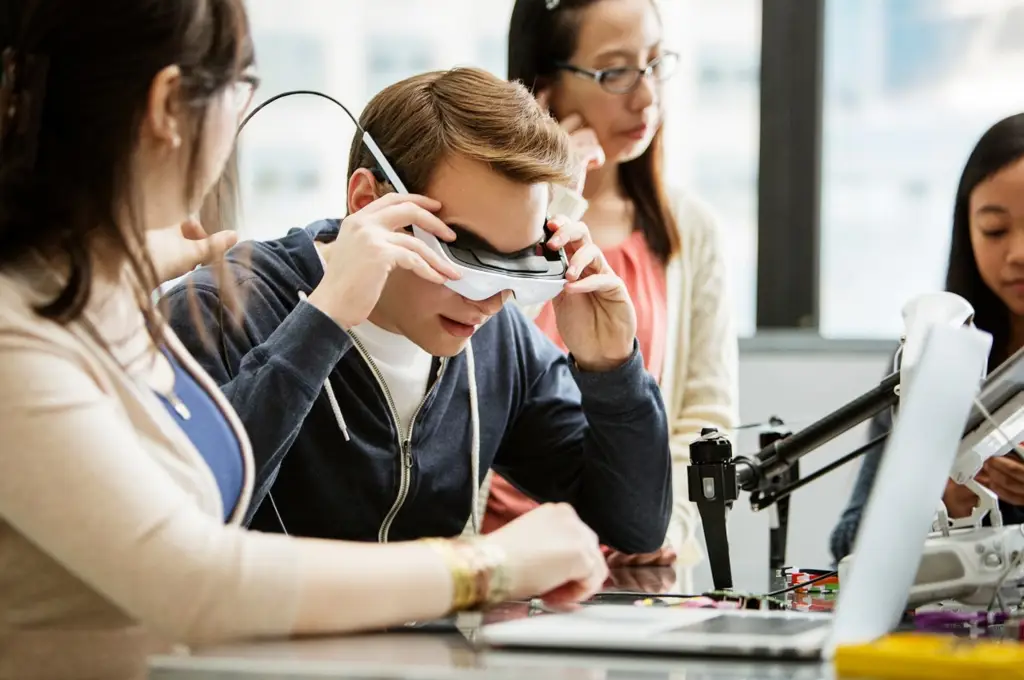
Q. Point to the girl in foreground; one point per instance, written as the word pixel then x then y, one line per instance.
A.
pixel 123 472
pixel 986 268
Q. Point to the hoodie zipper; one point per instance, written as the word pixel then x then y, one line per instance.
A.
pixel 404 442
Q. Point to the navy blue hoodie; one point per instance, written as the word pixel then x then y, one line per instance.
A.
pixel 596 440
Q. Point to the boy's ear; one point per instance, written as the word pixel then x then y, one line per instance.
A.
pixel 362 190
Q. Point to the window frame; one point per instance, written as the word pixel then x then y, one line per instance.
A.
pixel 789 165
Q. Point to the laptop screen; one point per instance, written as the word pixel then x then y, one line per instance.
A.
pixel 908 487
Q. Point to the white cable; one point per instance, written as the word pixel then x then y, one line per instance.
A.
pixel 274 506
pixel 337 409
pixel 1010 568
pixel 474 417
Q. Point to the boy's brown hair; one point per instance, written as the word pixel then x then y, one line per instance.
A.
pixel 468 112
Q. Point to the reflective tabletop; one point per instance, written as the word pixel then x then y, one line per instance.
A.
pixel 446 650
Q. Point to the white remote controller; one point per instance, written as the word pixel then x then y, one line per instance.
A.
pixel 966 566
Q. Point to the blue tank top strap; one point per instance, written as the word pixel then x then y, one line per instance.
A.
pixel 201 419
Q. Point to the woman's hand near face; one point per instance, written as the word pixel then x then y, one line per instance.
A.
pixel 586 148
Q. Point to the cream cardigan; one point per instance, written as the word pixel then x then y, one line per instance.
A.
pixel 699 378
pixel 108 514
pixel 699 382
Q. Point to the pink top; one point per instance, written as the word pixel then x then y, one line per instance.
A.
pixel 644 277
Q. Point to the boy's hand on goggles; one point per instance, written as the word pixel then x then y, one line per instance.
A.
pixel 371 244
pixel 594 314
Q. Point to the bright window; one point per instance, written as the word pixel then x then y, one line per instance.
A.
pixel 910 86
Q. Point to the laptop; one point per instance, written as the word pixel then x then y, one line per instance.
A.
pixel 918 456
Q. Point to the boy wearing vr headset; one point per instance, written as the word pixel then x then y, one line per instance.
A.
pixel 380 373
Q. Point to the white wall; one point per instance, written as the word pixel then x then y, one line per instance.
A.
pixel 798 386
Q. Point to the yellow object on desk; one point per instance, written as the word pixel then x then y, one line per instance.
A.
pixel 931 656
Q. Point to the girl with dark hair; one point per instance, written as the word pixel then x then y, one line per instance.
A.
pixel 124 472
pixel 986 268
pixel 599 66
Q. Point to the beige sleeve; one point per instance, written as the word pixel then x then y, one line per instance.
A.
pixel 710 391
pixel 75 481
pixel 710 388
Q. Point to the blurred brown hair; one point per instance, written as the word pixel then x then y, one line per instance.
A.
pixel 77 188
pixel 221 211
pixel 467 112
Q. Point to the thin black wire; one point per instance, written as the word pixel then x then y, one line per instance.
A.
pixel 784 492
pixel 241 126
pixel 774 421
pixel 290 93
pixel 803 584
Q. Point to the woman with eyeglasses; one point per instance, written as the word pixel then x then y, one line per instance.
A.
pixel 600 67
pixel 124 473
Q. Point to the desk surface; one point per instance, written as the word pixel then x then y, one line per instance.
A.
pixel 451 655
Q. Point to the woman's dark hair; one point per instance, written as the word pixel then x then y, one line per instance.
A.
pixel 1000 146
pixel 82 77
pixel 538 39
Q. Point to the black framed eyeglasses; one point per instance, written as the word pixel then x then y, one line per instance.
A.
pixel 238 93
pixel 243 90
pixel 625 79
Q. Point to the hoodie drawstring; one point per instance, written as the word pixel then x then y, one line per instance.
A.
pixel 474 451
pixel 331 398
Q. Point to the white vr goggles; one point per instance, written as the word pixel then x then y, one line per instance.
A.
pixel 534 276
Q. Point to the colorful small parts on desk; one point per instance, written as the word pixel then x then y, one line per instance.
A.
pixel 990 625
pixel 698 602
pixel 902 656
pixel 795 577
pixel 814 602
pixel 937 621
pixel 716 600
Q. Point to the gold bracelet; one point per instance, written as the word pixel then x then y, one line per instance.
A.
pixel 493 561
pixel 478 569
pixel 465 593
